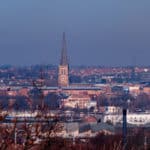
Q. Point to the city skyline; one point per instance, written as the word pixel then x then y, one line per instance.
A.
pixel 97 33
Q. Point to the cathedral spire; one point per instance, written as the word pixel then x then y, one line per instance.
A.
pixel 63 69
pixel 64 59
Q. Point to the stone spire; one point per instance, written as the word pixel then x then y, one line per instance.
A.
pixel 64 59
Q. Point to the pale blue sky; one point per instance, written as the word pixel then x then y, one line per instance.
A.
pixel 98 32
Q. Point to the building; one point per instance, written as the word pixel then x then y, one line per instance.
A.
pixel 132 118
pixel 76 101
pixel 78 94
pixel 63 70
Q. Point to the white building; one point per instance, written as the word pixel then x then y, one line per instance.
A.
pixel 132 118
pixel 112 110
pixel 76 101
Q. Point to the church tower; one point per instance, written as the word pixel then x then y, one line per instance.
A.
pixel 63 70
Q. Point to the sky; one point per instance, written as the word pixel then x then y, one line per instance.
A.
pixel 98 32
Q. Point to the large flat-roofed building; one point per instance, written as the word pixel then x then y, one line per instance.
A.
pixel 73 90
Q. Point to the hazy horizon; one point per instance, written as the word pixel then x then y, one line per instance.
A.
pixel 104 33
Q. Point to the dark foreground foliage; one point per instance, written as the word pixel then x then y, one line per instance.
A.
pixel 135 141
